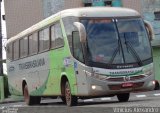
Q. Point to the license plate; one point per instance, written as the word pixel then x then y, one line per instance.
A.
pixel 124 85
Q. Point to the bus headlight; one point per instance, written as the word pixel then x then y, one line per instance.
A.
pixel 148 73
pixel 100 76
pixel 96 75
pixel 93 87
pixel 154 82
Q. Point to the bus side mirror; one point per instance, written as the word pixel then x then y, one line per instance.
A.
pixel 149 30
pixel 81 30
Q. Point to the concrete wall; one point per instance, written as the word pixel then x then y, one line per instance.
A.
pixel 133 4
pixel 21 14
pixel 53 6
pixel 73 4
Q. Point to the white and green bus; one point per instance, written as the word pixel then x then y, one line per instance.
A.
pixel 82 53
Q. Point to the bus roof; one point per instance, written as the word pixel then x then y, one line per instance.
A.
pixel 78 12
pixel 99 12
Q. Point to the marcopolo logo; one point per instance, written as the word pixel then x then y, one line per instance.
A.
pixel 127 78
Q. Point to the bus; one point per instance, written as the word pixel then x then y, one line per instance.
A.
pixel 82 53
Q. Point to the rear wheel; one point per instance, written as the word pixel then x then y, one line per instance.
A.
pixel 63 99
pixel 30 100
pixel 70 99
pixel 124 97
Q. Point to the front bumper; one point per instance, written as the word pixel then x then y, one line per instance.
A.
pixel 103 88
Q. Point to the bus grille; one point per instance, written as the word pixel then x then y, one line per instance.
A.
pixel 122 78
pixel 116 79
pixel 137 77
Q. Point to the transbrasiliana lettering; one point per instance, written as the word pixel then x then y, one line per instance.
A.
pixel 32 64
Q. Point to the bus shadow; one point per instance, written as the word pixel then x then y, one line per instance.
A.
pixel 53 103
pixel 82 103
pixel 110 102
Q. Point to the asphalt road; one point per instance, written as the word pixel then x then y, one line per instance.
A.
pixel 146 102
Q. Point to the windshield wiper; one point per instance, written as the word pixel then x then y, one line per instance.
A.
pixel 118 48
pixel 115 53
pixel 134 53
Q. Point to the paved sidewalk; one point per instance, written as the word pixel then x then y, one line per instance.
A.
pixel 12 99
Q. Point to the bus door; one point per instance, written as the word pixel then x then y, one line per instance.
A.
pixel 79 65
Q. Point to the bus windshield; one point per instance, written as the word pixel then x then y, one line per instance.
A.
pixel 117 41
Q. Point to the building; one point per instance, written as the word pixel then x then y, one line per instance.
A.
pixel 21 14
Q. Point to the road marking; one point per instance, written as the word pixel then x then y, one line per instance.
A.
pixel 10 106
pixel 88 100
pixel 17 105
pixel 158 94
pixel 105 99
pixel 2 107
pixel 141 96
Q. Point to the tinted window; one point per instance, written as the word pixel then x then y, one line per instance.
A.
pixel 9 51
pixel 56 36
pixel 44 39
pixel 53 37
pixel 24 47
pixel 33 43
pixel 16 50
pixel 134 41
pixel 77 48
pixel 102 40
pixel 69 28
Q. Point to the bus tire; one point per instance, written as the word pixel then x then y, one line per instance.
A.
pixel 124 97
pixel 157 87
pixel 30 100
pixel 70 99
pixel 63 99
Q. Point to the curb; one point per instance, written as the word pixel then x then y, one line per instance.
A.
pixel 11 100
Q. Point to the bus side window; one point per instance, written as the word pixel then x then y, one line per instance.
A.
pixel 16 50
pixel 52 37
pixel 69 27
pixel 23 47
pixel 77 48
pixel 33 43
pixel 58 36
pixel 44 40
pixel 9 51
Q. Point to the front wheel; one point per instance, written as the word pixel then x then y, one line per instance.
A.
pixel 124 97
pixel 69 98
pixel 157 87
